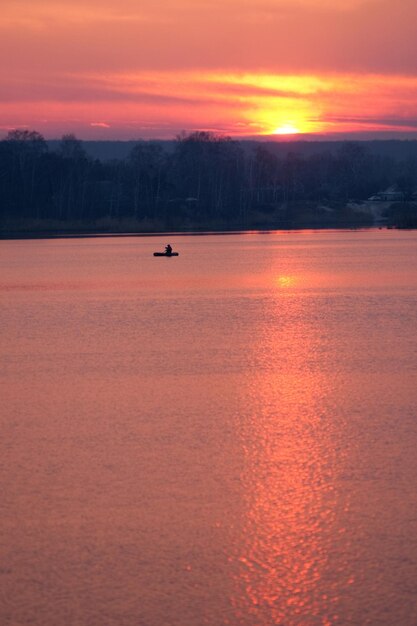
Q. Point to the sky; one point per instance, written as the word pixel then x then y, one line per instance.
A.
pixel 128 69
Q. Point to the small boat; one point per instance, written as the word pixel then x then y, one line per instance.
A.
pixel 166 253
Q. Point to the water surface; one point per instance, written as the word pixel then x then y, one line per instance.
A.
pixel 226 437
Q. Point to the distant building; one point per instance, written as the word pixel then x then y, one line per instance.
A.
pixel 389 195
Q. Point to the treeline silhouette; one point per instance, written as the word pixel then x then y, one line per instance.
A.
pixel 206 181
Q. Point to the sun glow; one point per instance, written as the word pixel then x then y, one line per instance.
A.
pixel 287 129
pixel 158 104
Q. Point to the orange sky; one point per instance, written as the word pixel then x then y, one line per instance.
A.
pixel 124 69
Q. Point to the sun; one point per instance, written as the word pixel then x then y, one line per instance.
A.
pixel 287 129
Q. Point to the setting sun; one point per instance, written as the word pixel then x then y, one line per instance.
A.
pixel 287 129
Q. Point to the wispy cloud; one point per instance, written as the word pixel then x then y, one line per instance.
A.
pixel 237 103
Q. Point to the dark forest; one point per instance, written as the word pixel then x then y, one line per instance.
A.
pixel 202 181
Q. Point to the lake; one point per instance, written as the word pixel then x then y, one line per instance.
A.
pixel 225 438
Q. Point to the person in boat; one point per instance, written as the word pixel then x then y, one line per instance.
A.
pixel 168 249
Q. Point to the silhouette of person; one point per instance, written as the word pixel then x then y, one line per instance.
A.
pixel 168 249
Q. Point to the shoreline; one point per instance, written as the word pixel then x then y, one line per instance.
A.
pixel 28 235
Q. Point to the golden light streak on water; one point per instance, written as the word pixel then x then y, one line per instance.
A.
pixel 290 475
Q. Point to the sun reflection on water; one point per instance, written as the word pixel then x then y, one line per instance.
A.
pixel 286 281
pixel 290 472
